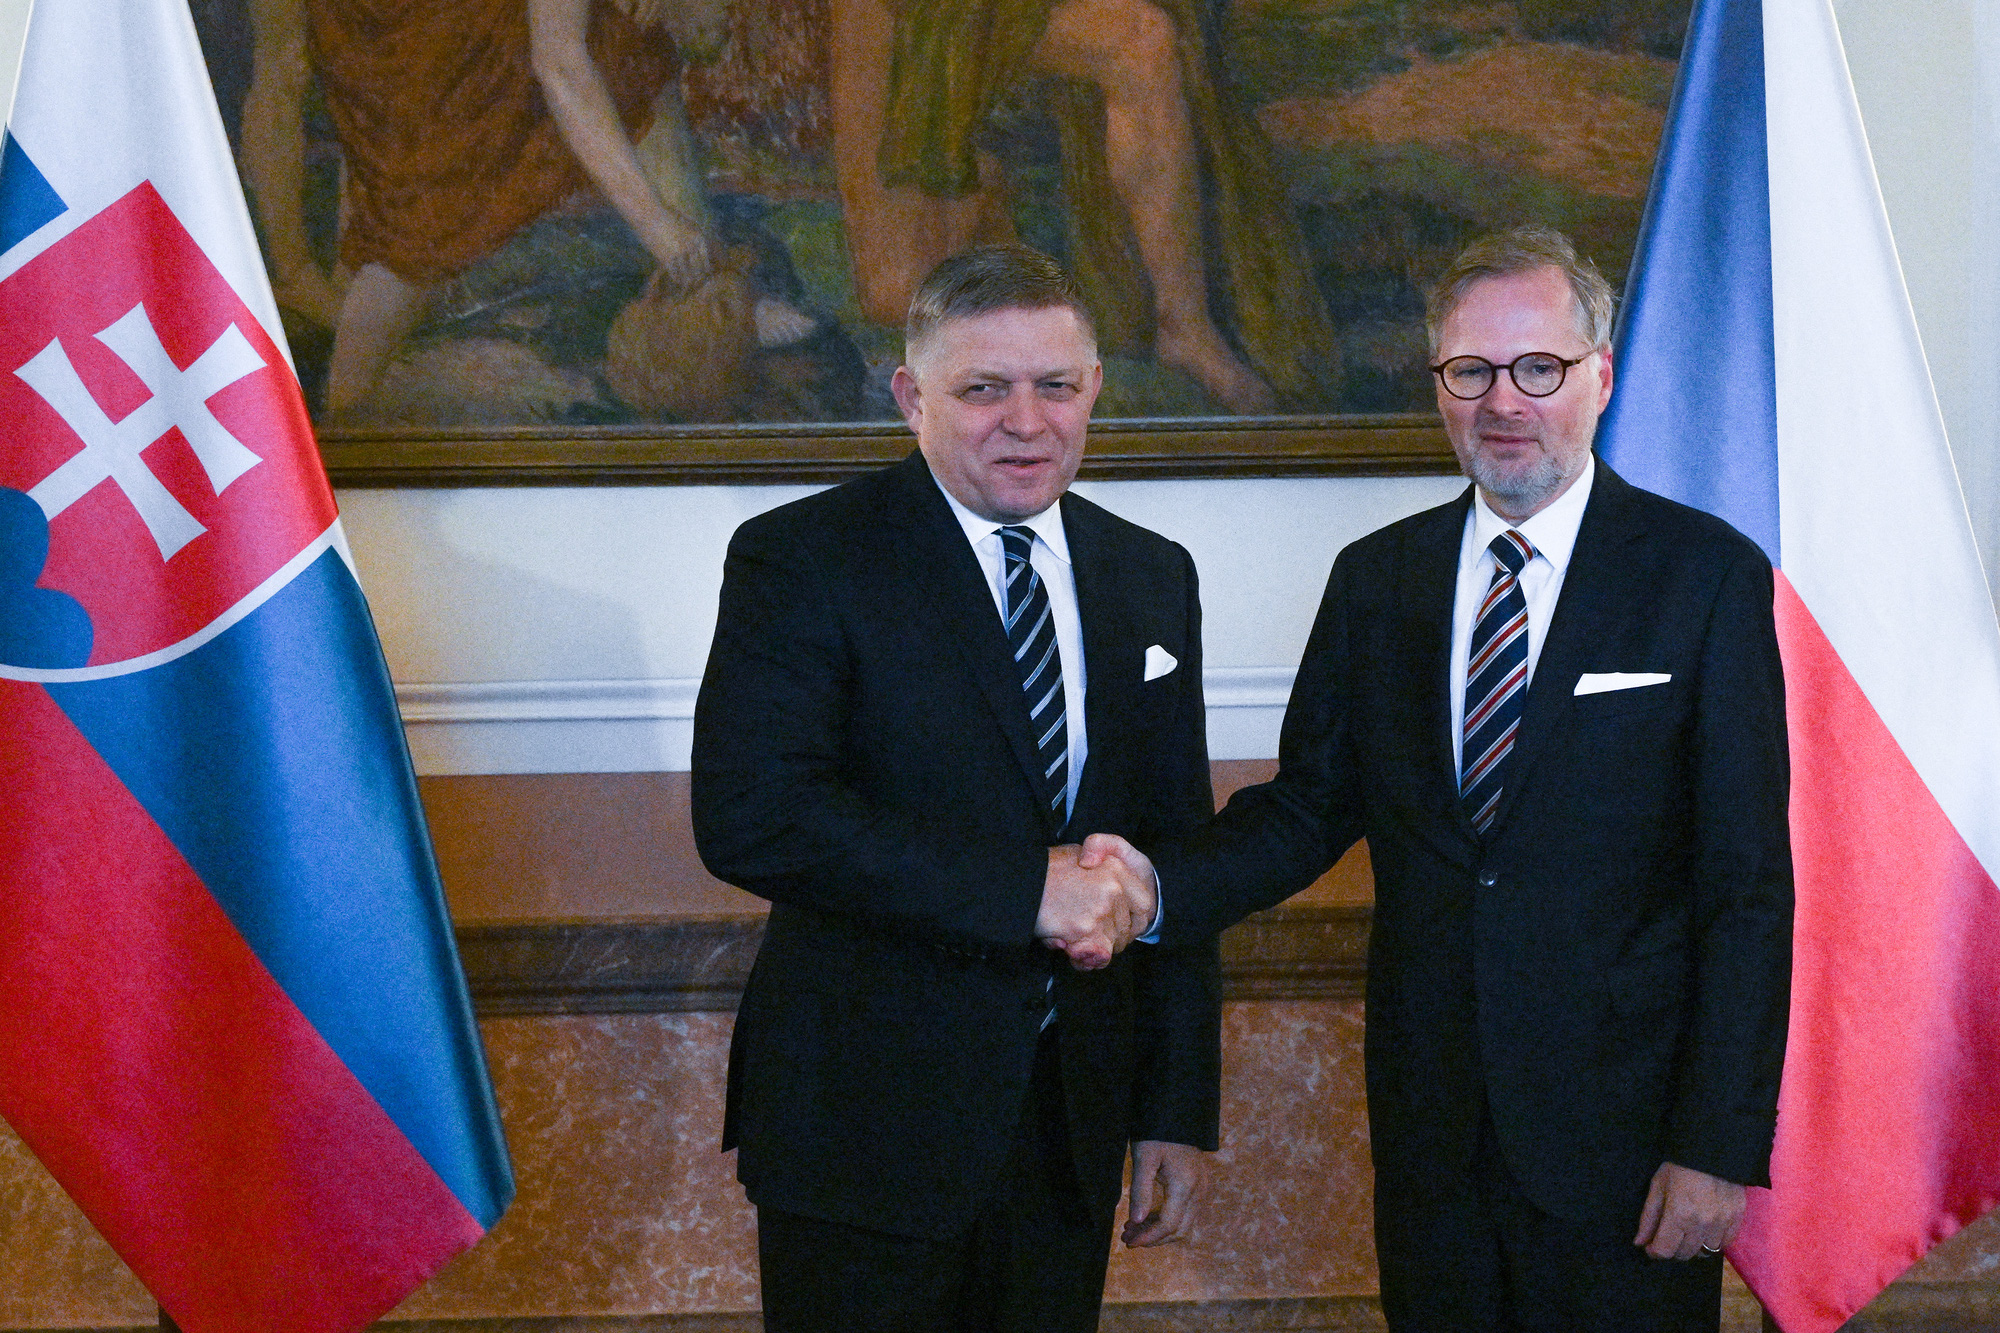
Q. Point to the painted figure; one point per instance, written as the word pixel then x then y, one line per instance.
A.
pixel 462 123
pixel 1139 115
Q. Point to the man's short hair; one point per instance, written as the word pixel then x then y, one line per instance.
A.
pixel 1522 250
pixel 989 278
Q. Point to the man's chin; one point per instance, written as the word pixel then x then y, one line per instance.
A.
pixel 1518 489
pixel 1025 493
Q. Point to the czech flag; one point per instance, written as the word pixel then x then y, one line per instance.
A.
pixel 1769 371
pixel 232 1021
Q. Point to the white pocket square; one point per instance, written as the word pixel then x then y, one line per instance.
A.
pixel 1597 682
pixel 1159 662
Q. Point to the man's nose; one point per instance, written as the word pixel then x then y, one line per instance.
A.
pixel 1505 397
pixel 1025 417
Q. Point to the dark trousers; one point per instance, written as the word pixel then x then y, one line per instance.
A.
pixel 1032 1262
pixel 1469 1252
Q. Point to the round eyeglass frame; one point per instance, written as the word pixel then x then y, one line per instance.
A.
pixel 1493 373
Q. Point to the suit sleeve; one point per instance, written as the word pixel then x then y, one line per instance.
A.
pixel 1725 1104
pixel 1274 839
pixel 774 808
pixel 1178 985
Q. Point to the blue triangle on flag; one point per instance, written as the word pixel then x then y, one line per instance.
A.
pixel 1694 413
pixel 27 200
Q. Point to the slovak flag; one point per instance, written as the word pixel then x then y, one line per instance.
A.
pixel 232 1021
pixel 1769 370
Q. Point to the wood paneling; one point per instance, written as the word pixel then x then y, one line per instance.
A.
pixel 582 893
pixel 594 847
pixel 1342 446
pixel 1307 951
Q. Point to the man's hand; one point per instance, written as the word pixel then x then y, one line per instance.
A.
pixel 1688 1212
pixel 1166 1177
pixel 1101 847
pixel 1091 914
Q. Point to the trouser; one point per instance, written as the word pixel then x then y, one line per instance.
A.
pixel 1032 1262
pixel 1471 1253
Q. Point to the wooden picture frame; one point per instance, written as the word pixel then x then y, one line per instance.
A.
pixel 1373 446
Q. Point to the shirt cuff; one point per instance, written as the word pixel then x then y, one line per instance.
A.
pixel 1152 935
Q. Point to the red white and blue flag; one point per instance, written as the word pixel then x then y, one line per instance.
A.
pixel 232 1021
pixel 1770 371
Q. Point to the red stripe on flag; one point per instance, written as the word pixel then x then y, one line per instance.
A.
pixel 170 1086
pixel 1889 1117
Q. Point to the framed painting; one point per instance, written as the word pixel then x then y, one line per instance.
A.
pixel 624 240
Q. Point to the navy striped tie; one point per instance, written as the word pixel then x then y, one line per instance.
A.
pixel 1496 678
pixel 1031 633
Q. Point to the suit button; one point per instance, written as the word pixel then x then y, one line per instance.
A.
pixel 1487 879
pixel 1037 1005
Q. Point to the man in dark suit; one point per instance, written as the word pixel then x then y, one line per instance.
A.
pixel 919 681
pixel 1554 708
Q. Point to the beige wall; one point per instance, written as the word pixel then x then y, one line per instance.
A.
pixel 1927 77
pixel 546 596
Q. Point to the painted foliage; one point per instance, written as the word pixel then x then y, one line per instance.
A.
pixel 713 211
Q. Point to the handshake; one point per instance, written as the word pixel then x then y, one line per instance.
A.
pixel 1097 899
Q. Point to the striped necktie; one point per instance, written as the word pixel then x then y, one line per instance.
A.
pixel 1496 678
pixel 1031 634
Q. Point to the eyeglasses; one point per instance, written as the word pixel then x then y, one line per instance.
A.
pixel 1537 374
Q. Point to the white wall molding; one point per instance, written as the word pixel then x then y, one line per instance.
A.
pixel 616 726
pixel 433 703
pixel 1245 707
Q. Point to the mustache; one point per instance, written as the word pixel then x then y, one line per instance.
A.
pixel 1485 419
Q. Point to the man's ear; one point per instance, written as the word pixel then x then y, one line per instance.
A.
pixel 903 384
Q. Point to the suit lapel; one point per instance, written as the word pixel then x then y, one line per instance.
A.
pixel 1111 654
pixel 965 614
pixel 1594 595
pixel 1429 595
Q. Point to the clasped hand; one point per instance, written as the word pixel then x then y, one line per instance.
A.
pixel 1096 900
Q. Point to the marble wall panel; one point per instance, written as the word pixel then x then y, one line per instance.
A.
pixel 55 1270
pixel 1287 1211
pixel 625 1205
pixel 1973 1255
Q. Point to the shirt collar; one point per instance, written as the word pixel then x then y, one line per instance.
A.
pixel 1551 531
pixel 1047 525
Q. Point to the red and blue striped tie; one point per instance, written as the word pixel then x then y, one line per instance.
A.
pixel 1496 679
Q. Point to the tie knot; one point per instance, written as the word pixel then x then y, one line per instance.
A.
pixel 1512 550
pixel 1017 542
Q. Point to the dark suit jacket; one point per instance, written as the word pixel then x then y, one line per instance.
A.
pixel 1609 967
pixel 862 759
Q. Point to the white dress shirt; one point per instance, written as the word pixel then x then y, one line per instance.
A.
pixel 1552 532
pixel 1050 558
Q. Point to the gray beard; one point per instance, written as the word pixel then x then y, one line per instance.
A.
pixel 1521 491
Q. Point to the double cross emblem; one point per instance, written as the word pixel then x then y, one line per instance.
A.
pixel 112 450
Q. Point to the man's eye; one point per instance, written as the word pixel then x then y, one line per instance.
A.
pixel 1058 389
pixel 980 393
